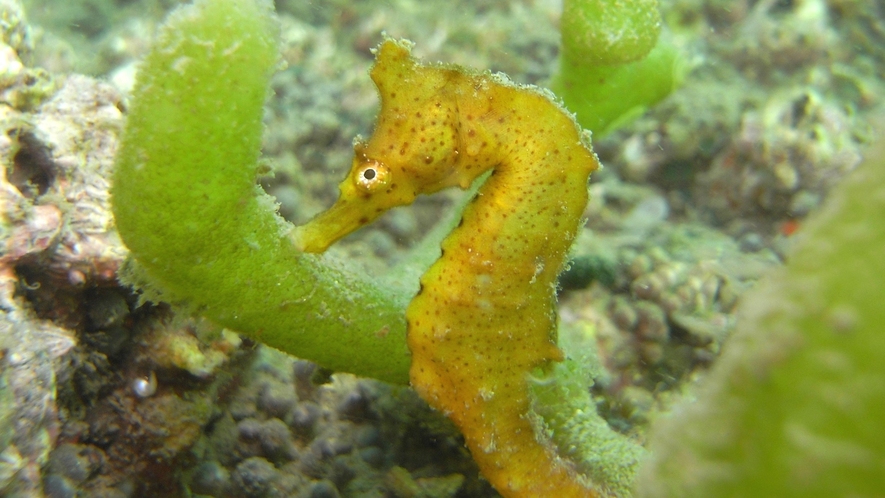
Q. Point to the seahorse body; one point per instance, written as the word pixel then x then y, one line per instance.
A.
pixel 484 319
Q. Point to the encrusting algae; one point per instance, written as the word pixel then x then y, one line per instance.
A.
pixel 484 320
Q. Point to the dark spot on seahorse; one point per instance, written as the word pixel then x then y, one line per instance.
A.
pixel 461 222
pixel 363 220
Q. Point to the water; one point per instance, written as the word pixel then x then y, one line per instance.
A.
pixel 701 195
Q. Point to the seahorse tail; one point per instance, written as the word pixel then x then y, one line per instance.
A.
pixel 516 460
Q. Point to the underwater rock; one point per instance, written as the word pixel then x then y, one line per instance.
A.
pixel 277 398
pixel 254 477
pixel 55 237
pixel 210 478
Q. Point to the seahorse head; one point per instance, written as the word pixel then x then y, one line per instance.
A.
pixel 369 189
pixel 417 135
pixel 415 148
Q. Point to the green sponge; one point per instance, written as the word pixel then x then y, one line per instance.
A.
pixel 187 206
pixel 613 64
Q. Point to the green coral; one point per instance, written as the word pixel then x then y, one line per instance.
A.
pixel 614 65
pixel 794 406
pixel 187 206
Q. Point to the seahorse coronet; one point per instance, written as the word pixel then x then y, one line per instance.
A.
pixel 484 319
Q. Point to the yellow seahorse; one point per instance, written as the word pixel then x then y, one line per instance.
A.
pixel 484 319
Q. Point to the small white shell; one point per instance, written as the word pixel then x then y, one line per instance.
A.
pixel 145 387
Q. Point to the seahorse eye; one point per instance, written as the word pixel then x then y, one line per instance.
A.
pixel 371 176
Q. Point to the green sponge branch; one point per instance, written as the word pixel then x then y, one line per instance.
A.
pixel 186 202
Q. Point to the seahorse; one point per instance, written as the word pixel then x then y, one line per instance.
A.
pixel 484 320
